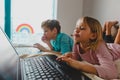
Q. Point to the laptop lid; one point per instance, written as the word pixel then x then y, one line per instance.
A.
pixel 9 60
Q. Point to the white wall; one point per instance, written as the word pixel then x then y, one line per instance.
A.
pixel 68 11
pixel 103 10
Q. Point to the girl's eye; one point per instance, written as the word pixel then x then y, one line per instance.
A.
pixel 82 28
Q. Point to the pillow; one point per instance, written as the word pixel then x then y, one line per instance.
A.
pixel 92 76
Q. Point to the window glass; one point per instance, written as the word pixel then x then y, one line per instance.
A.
pixel 26 18
pixel 2 13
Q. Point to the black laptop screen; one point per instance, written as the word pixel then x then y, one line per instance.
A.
pixel 8 59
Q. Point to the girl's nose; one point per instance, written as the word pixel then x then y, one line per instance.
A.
pixel 77 30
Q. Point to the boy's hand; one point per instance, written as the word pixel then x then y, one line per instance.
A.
pixel 44 39
pixel 40 47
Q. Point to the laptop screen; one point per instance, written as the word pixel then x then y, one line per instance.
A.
pixel 8 59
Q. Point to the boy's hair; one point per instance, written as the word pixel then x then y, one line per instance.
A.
pixel 51 24
pixel 95 27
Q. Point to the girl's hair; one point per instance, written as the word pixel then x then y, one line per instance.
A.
pixel 96 28
pixel 51 24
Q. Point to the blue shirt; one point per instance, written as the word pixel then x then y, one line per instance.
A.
pixel 63 43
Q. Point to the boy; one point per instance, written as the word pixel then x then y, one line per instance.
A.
pixel 59 43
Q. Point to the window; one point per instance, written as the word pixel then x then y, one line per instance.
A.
pixel 26 18
pixel 2 13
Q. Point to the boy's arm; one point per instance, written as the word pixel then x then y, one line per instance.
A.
pixel 49 45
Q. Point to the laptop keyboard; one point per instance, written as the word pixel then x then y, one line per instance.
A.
pixel 47 68
pixel 38 69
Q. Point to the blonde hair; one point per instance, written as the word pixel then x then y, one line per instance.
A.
pixel 96 28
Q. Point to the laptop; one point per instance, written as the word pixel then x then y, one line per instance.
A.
pixel 9 59
pixel 25 48
pixel 44 67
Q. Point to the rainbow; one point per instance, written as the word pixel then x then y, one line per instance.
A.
pixel 25 27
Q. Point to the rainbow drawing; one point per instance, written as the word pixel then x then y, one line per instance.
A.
pixel 25 27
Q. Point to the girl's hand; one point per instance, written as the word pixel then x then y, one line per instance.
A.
pixel 71 62
pixel 68 55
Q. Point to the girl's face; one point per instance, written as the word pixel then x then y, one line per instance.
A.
pixel 82 32
pixel 49 34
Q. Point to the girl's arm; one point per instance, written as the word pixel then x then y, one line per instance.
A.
pixel 106 67
pixel 80 65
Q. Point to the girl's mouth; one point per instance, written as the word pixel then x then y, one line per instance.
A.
pixel 76 35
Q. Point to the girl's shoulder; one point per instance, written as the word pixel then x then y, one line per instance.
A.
pixel 102 46
pixel 108 47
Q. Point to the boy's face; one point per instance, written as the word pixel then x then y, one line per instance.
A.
pixel 49 34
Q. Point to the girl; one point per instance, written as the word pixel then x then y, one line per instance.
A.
pixel 90 46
